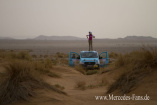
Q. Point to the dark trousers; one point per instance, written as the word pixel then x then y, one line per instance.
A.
pixel 90 45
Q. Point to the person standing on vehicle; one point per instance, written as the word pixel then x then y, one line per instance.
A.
pixel 90 37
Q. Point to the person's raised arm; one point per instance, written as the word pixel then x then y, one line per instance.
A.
pixel 87 36
pixel 93 36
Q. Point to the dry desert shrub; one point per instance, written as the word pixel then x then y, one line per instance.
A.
pixel 34 56
pixel 20 81
pixel 86 71
pixel 120 61
pixel 61 59
pixel 24 56
pixel 80 69
pixel 62 55
pixel 64 61
pixel 81 85
pixel 113 55
pixel 59 55
pixel 44 67
pixel 90 72
pixel 13 55
pixel 138 59
pixel 55 61
pixel 59 86
pixel 137 64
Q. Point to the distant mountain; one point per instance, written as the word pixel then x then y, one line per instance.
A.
pixel 9 38
pixel 139 38
pixel 43 37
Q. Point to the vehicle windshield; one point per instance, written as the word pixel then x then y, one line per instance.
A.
pixel 89 55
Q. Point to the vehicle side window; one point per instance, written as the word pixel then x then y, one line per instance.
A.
pixel 75 56
pixel 103 55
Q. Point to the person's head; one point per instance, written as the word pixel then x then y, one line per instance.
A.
pixel 90 32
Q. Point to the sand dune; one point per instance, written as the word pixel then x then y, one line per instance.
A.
pixel 87 97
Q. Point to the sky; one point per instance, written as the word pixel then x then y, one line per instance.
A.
pixel 104 18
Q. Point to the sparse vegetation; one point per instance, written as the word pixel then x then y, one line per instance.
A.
pixel 22 76
pixel 113 55
pixel 44 67
pixel 34 56
pixel 12 55
pixel 120 61
pixel 24 56
pixel 59 86
pixel 55 61
pixel 81 85
pixel 86 71
pixel 80 69
pixel 137 65
pixel 95 86
pixel 19 82
pixel 61 55
pixel 64 61
pixel 90 72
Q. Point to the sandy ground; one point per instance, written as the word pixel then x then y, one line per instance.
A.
pixel 87 97
pixel 70 77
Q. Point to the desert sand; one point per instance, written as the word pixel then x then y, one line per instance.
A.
pixel 70 76
pixel 87 97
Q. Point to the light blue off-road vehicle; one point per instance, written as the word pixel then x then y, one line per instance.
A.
pixel 89 59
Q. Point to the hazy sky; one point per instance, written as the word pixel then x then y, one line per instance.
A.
pixel 105 18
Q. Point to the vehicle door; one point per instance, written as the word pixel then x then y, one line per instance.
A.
pixel 74 58
pixel 104 59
